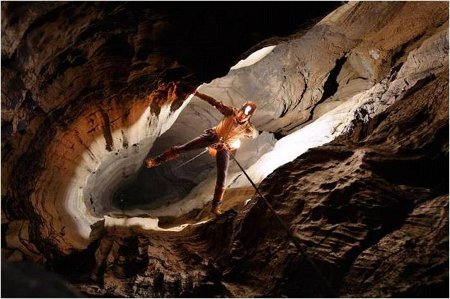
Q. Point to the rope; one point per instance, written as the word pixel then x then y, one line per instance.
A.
pixel 190 160
pixel 297 244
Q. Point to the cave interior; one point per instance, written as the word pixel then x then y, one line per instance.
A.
pixel 350 164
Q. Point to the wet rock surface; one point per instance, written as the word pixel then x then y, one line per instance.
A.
pixel 370 207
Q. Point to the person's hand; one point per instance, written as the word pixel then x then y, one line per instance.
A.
pixel 147 163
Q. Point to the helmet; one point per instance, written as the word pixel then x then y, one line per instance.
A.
pixel 249 108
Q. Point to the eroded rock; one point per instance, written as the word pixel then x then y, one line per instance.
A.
pixel 370 208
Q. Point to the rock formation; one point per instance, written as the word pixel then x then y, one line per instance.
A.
pixel 88 108
pixel 353 151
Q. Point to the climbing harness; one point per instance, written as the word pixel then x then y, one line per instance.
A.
pixel 294 240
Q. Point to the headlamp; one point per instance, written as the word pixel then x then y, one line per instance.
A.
pixel 236 144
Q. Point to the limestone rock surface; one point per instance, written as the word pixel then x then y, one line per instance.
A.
pixel 353 151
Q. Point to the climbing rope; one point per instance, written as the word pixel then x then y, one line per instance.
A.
pixel 190 160
pixel 297 244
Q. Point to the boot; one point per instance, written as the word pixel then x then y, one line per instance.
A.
pixel 215 208
pixel 217 200
pixel 170 154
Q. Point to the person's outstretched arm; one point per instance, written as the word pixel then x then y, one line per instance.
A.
pixel 224 109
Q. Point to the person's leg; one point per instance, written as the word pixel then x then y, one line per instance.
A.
pixel 223 160
pixel 201 141
pixel 173 152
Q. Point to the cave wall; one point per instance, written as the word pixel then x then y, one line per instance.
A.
pixel 370 207
pixel 88 88
pixel 86 97
pixel 348 51
pixel 299 80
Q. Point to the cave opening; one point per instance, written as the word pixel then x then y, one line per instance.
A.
pixel 163 185
pixel 137 190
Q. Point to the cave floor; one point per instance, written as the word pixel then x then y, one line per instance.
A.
pixel 234 199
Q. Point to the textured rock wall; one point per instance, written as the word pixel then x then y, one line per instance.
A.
pixel 87 97
pixel 405 164
pixel 87 87
pixel 371 208
pixel 328 67
pixel 348 51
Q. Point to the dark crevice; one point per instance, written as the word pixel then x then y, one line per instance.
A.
pixel 329 89
pixel 331 85
pixel 107 130
pixel 22 126
pixel 125 139
pixel 7 130
pixel 394 71
pixel 402 49
pixel 419 85
pixel 285 110
pixel 278 135
pixel 77 266
pixel 30 104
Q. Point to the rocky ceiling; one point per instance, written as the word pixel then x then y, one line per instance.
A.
pixel 353 111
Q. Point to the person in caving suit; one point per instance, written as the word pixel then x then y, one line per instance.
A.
pixel 220 140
